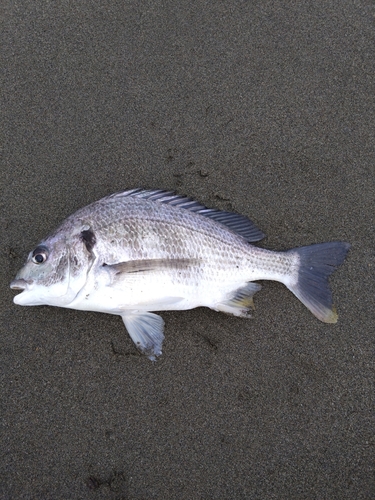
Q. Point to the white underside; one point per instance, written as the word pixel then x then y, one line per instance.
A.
pixel 142 295
pixel 158 293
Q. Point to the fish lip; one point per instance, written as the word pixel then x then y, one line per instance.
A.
pixel 19 284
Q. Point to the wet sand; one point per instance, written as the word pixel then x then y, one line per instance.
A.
pixel 264 108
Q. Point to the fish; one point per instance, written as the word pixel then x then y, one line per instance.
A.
pixel 139 251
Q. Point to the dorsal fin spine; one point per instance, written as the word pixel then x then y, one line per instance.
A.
pixel 239 224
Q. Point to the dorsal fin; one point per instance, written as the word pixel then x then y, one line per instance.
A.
pixel 235 222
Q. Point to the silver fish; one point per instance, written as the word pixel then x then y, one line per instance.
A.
pixel 140 251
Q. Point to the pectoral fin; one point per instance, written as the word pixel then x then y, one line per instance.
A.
pixel 123 269
pixel 146 331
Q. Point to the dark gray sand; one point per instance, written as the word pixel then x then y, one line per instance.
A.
pixel 264 108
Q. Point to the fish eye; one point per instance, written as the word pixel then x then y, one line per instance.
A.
pixel 40 255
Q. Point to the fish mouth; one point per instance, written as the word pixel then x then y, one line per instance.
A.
pixel 19 284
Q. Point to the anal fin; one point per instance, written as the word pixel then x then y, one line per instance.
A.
pixel 146 331
pixel 241 301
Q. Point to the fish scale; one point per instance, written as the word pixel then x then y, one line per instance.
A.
pixel 141 251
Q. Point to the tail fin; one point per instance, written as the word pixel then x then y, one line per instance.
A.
pixel 317 262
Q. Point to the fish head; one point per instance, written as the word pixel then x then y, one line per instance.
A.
pixel 54 272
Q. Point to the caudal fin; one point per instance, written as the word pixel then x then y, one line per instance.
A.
pixel 317 262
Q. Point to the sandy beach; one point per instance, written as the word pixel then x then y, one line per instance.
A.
pixel 262 108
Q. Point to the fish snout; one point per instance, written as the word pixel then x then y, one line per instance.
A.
pixel 19 284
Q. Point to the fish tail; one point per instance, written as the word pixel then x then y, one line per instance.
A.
pixel 316 264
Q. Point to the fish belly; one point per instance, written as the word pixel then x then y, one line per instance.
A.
pixel 208 283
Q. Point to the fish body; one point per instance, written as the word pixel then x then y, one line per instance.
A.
pixel 141 251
